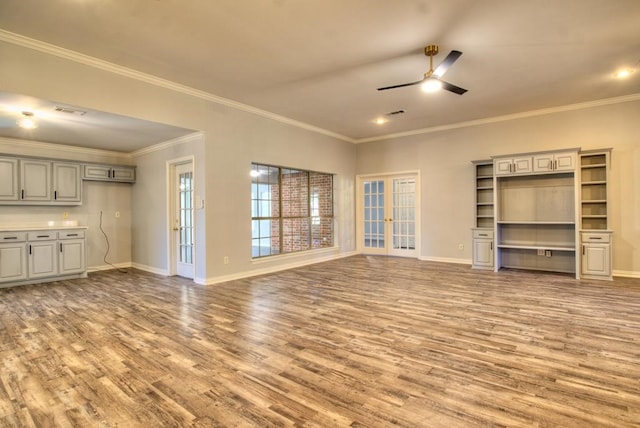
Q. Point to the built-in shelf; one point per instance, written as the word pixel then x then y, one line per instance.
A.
pixel 535 222
pixel 533 246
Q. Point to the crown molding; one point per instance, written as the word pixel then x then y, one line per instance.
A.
pixel 62 148
pixel 60 52
pixel 507 117
pixel 166 144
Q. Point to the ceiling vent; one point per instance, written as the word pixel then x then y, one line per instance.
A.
pixel 393 113
pixel 70 111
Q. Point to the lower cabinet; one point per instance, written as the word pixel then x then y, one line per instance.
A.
pixel 13 257
pixel 483 249
pixel 596 255
pixel 41 256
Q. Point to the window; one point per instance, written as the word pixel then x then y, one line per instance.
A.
pixel 291 210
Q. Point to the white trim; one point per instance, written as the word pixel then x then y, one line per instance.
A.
pixel 150 269
pixel 626 273
pixel 504 118
pixel 124 265
pixel 63 148
pixel 272 269
pixel 166 144
pixel 50 49
pixel 445 260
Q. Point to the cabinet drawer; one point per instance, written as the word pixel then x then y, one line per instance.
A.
pixel 43 235
pixel 12 237
pixel 596 237
pixel 71 234
pixel 487 234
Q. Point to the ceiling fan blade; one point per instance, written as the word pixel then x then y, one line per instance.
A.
pixel 453 88
pixel 446 63
pixel 400 86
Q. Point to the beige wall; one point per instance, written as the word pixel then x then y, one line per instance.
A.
pixel 443 159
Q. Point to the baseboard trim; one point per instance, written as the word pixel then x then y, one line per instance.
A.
pixel 626 273
pixel 445 260
pixel 272 269
pixel 124 265
pixel 150 269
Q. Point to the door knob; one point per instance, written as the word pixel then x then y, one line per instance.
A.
pixel 176 229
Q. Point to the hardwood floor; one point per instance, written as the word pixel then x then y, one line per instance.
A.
pixel 360 342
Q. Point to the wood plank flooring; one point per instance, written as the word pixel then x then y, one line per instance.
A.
pixel 358 342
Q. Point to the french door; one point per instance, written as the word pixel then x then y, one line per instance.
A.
pixel 388 215
pixel 183 220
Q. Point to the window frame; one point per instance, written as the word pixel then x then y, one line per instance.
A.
pixel 317 218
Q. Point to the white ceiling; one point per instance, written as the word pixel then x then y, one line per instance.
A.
pixel 320 62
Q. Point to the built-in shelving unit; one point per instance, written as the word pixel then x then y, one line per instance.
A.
pixel 484 194
pixel 536 222
pixel 483 248
pixel 595 237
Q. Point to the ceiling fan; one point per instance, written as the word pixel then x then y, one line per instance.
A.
pixel 432 79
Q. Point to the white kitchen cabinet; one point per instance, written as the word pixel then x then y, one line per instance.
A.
pixel 9 177
pixel 483 249
pixel 124 174
pixel 551 162
pixel 35 180
pixel 71 257
pixel 596 255
pixel 513 165
pixel 43 261
pixel 67 183
pixel 13 256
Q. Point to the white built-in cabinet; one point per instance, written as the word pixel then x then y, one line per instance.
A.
pixel 41 255
pixel 482 232
pixel 549 213
pixel 126 174
pixel 9 179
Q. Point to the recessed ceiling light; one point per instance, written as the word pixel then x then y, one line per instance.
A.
pixel 27 121
pixel 623 73
pixel 380 121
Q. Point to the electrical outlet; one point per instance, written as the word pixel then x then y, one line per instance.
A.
pixel 541 252
pixel 65 215
pixel 547 253
pixel 461 247
pixel 225 260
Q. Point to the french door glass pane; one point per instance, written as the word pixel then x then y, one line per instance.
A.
pixel 186 214
pixel 374 214
pixel 404 214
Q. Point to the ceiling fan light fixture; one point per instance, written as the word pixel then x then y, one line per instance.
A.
pixel 431 85
pixel 27 121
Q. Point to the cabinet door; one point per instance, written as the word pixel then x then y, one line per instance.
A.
pixel 43 261
pixel 522 165
pixel 596 259
pixel 542 163
pixel 565 161
pixel 35 178
pixel 67 186
pixel 13 262
pixel 483 252
pixel 502 166
pixel 71 256
pixel 9 179
pixel 123 174
pixel 97 172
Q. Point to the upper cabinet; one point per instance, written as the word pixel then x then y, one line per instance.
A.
pixel 536 163
pixel 513 165
pixel 124 174
pixel 552 162
pixel 32 181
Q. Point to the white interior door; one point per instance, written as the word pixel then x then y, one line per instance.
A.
pixel 183 219
pixel 388 216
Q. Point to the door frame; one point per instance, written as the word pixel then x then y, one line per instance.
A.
pixel 360 206
pixel 172 255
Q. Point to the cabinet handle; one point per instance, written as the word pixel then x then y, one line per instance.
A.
pixel 29 249
pixel 583 250
pixel 72 234
pixel 482 234
pixel 555 164
pixel 595 237
pixel 55 195
pixel 491 245
pixel 43 236
pixel 550 164
pixel 61 247
pixel 22 194
pixel 10 237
